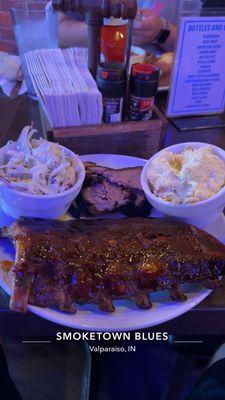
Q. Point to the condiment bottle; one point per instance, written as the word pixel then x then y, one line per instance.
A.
pixel 144 81
pixel 113 40
pixel 111 81
pixel 190 8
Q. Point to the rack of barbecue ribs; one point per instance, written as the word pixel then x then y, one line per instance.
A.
pixel 59 264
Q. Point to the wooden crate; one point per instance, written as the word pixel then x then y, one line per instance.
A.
pixel 138 139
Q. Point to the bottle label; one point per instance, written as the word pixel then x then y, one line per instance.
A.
pixel 140 109
pixel 112 110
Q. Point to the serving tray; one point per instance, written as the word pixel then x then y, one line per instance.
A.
pixel 127 138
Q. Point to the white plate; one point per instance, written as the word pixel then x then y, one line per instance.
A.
pixel 126 316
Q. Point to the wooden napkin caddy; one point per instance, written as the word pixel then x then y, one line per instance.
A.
pixel 138 139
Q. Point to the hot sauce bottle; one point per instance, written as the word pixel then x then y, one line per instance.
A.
pixel 113 39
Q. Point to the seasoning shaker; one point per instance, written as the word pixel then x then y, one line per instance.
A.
pixel 144 81
pixel 111 81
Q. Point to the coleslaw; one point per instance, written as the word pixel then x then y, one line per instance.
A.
pixel 37 166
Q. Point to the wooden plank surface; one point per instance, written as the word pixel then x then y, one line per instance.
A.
pixel 14 115
pixel 128 138
pixel 207 318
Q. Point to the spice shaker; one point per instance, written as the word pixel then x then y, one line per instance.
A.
pixel 111 81
pixel 144 81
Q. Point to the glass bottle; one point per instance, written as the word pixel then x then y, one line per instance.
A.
pixel 190 8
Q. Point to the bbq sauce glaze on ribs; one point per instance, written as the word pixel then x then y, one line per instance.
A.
pixel 80 261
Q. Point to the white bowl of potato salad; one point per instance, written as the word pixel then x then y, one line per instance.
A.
pixel 38 178
pixel 187 181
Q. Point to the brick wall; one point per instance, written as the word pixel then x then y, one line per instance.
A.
pixel 7 38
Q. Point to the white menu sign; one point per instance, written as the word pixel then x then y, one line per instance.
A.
pixel 198 81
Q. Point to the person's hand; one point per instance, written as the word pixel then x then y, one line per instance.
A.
pixel 147 26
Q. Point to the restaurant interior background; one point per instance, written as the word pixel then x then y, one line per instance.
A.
pixel 7 36
pixel 43 368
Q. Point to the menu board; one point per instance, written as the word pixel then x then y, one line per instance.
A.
pixel 198 80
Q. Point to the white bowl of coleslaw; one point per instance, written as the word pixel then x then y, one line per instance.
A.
pixel 38 179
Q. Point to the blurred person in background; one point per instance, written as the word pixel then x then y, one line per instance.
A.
pixel 155 23
pixel 8 389
pixel 211 385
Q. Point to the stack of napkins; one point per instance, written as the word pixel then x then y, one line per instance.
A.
pixel 65 87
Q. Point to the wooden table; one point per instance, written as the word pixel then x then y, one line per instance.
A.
pixel 207 318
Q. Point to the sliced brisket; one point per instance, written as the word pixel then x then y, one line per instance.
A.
pixel 107 190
